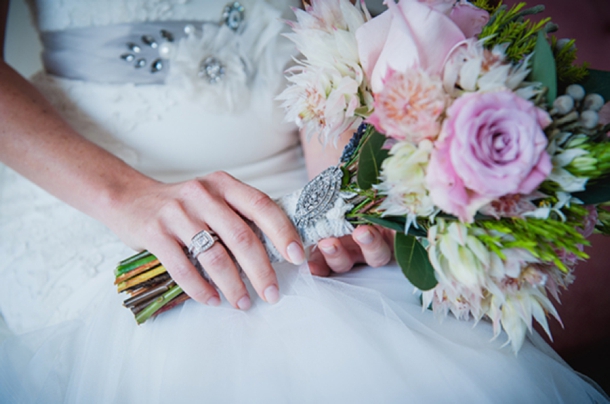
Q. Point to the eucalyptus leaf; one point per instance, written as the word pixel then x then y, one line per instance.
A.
pixel 414 262
pixel 372 155
pixel 598 81
pixel 544 69
pixel 597 192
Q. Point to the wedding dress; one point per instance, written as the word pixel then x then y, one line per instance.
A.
pixel 358 337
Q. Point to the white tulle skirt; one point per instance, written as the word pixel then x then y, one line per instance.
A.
pixel 355 338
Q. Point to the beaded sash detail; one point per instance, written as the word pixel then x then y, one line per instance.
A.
pixel 141 53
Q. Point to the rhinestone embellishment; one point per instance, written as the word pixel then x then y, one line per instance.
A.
pixel 150 41
pixel 134 48
pixel 318 196
pixel 233 15
pixel 156 66
pixel 211 69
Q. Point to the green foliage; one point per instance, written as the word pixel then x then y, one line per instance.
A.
pixel 414 262
pixel 567 71
pixel 371 156
pixel 508 26
pixel 543 238
pixel 593 165
pixel 486 5
pixel 543 67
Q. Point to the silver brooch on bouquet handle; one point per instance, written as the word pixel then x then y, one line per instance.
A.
pixel 318 196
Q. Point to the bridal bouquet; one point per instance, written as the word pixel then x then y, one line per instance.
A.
pixel 476 138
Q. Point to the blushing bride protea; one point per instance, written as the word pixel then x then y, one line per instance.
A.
pixel 329 93
pixel 471 67
pixel 322 102
pixel 509 287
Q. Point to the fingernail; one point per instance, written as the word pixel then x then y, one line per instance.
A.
pixel 213 301
pixel 272 294
pixel 244 303
pixel 328 249
pixel 365 237
pixel 296 253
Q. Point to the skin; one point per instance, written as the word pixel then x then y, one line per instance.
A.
pixel 162 218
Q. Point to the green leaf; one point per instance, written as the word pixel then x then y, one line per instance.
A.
pixel 597 192
pixel 371 157
pixel 598 81
pixel 396 223
pixel 414 262
pixel 544 69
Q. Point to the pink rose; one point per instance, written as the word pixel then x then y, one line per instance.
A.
pixel 491 145
pixel 413 33
pixel 409 34
pixel 469 18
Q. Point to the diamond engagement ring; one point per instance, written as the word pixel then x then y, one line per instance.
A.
pixel 201 242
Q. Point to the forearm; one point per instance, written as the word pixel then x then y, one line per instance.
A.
pixel 36 142
pixel 319 156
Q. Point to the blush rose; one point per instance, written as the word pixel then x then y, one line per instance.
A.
pixel 491 145
pixel 415 33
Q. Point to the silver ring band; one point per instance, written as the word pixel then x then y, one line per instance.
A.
pixel 201 242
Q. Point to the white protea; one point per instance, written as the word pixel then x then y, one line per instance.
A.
pixel 324 33
pixel 509 289
pixel 471 67
pixel 403 181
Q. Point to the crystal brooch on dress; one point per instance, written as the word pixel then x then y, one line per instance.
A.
pixel 233 15
pixel 318 196
pixel 211 69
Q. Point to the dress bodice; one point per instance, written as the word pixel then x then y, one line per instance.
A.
pixel 187 126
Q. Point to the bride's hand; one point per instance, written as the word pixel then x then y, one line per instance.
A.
pixel 369 245
pixel 163 218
